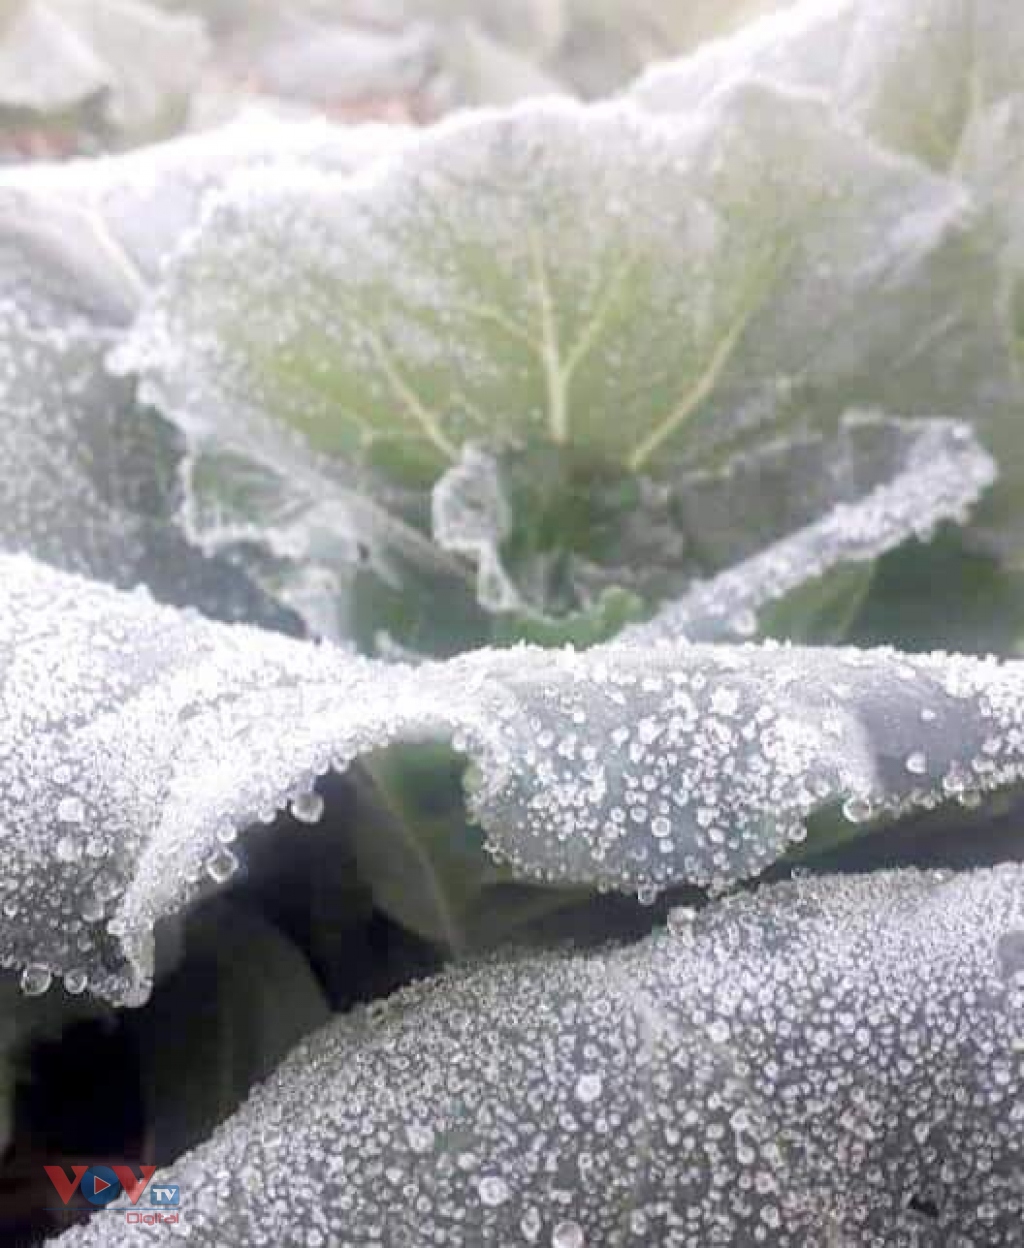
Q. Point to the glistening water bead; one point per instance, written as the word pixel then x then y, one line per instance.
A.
pixel 493 1190
pixel 680 920
pixel 71 810
pixel 76 982
pixel 307 807
pixel 35 980
pixel 588 1088
pixel 420 1137
pixel 221 866
pixel 568 1235
pixel 857 810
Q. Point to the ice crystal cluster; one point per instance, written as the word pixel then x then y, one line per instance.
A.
pixel 564 512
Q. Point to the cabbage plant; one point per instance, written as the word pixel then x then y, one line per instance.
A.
pixel 512 726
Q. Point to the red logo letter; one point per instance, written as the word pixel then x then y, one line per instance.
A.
pixel 65 1188
pixel 133 1187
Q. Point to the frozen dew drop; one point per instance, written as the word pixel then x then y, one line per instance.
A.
pixel 661 827
pixel 420 1137
pixel 71 810
pixel 568 1235
pixel 493 1190
pixel 222 866
pixel 92 909
pixel 531 1225
pixel 647 894
pixel 680 920
pixel 35 980
pixel 588 1088
pixel 770 1216
pixel 857 809
pixel 718 1031
pixel 308 807
pixel 66 849
pixel 916 763
pixel 76 982
pixel 638 1222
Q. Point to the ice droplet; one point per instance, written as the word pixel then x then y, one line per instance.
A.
pixel 680 920
pixel 588 1088
pixel 493 1190
pixel 71 810
pixel 76 982
pixel 531 1225
pixel 308 807
pixel 857 809
pixel 66 849
pixel 35 980
pixel 568 1235
pixel 420 1137
pixel 222 866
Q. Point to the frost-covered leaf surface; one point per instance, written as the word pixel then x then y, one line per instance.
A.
pixel 824 1062
pixel 940 81
pixel 357 333
pixel 120 67
pixel 80 243
pixel 91 477
pixel 734 356
pixel 139 742
pixel 813 505
pixel 917 74
pixel 933 470
pixel 88 477
pixel 382 338
pixel 141 203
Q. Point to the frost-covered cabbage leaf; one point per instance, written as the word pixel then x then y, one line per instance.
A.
pixel 604 41
pixel 836 1061
pixel 551 318
pixel 939 80
pixel 118 69
pixel 138 743
pixel 130 210
pixel 80 244
pixel 928 470
pixel 916 74
pixel 495 52
pixel 90 477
